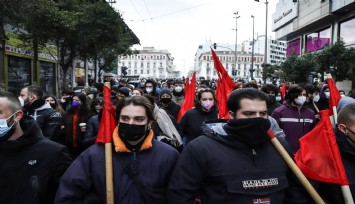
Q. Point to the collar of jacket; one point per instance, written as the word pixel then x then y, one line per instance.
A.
pixel 121 147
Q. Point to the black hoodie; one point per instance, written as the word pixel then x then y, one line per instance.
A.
pixel 32 166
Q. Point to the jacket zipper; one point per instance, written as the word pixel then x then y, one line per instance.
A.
pixel 254 155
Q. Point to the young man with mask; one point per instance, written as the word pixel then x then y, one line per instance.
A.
pixel 167 104
pixel 151 89
pixel 295 118
pixel 31 165
pixel 234 161
pixel 48 119
pixel 134 147
pixel 178 92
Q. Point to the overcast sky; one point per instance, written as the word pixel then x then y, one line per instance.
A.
pixel 179 26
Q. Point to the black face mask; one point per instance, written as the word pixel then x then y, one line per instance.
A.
pixel 52 105
pixel 131 132
pixel 272 99
pixel 165 100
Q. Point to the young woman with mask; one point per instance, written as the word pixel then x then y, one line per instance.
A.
pixel 75 124
pixel 205 110
pixel 133 147
pixel 54 104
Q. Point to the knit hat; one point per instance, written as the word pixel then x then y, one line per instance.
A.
pixel 124 91
pixel 165 91
pixel 344 101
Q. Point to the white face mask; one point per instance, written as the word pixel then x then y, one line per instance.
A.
pixel 278 98
pixel 178 89
pixel 22 102
pixel 327 94
pixel 149 90
pixel 300 100
pixel 316 98
pixel 342 95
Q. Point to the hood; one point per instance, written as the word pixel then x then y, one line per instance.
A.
pixel 344 145
pixel 45 106
pixel 344 101
pixel 32 134
pixel 238 132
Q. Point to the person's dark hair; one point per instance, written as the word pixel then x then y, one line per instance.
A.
pixel 251 85
pixel 199 96
pixel 178 81
pixel 270 87
pixel 205 82
pixel 36 90
pixel 67 92
pixel 136 101
pixel 233 101
pixel 346 115
pixel 293 92
pixel 14 104
pixel 151 99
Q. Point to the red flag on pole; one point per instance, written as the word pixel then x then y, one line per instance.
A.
pixel 107 123
pixel 334 93
pixel 319 156
pixel 283 91
pixel 224 88
pixel 189 100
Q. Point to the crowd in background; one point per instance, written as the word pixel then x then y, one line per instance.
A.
pixel 73 120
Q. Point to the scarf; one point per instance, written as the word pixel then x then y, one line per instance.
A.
pixel 167 126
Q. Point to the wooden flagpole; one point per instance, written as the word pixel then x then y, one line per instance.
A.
pixel 304 181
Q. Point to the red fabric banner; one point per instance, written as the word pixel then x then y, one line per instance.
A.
pixel 334 93
pixel 107 123
pixel 319 156
pixel 224 87
pixel 283 91
pixel 189 100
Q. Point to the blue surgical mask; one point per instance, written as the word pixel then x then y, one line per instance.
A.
pixel 4 127
pixel 278 98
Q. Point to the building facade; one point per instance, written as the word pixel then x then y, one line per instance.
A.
pixel 308 26
pixel 204 65
pixel 148 63
pixel 276 49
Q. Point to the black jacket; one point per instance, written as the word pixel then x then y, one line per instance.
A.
pixel 221 168
pixel 172 108
pixel 331 193
pixel 32 167
pixel 48 119
pixel 192 121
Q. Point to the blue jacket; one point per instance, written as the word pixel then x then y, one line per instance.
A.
pixel 87 174
pixel 219 168
pixel 294 122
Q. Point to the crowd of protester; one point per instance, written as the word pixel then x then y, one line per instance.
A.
pixel 49 154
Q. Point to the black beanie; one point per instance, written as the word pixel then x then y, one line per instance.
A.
pixel 165 91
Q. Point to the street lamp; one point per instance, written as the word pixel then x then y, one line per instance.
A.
pixel 251 70
pixel 236 41
pixel 265 54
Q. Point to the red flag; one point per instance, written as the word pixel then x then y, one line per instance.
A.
pixel 318 156
pixel 224 88
pixel 189 100
pixel 107 123
pixel 187 84
pixel 334 93
pixel 283 91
